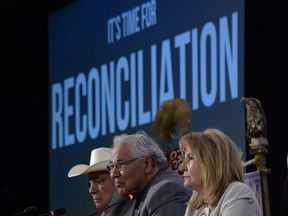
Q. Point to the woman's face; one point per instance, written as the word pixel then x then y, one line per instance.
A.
pixel 191 172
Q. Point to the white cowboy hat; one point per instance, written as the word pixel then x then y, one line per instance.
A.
pixel 99 160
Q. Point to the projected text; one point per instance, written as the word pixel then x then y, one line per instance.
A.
pixel 132 21
pixel 127 93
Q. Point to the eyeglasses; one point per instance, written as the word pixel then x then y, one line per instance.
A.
pixel 97 182
pixel 119 165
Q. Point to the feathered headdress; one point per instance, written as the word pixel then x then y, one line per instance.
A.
pixel 174 117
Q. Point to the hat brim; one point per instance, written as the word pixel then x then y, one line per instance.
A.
pixel 81 169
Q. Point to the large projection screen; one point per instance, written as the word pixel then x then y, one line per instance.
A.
pixel 113 63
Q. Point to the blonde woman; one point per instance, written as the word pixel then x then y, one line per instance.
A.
pixel 213 169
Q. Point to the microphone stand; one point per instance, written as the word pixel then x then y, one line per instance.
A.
pixel 97 212
pixel 134 195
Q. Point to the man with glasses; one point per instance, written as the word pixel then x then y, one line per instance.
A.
pixel 100 185
pixel 138 163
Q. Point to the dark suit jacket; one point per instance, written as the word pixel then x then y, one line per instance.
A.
pixel 123 207
pixel 166 195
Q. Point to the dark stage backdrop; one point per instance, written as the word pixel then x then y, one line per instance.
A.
pixel 113 63
pixel 25 94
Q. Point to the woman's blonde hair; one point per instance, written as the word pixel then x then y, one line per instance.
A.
pixel 219 160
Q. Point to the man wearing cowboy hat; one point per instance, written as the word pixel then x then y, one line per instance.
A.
pixel 100 185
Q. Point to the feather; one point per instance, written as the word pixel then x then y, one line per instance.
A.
pixel 174 117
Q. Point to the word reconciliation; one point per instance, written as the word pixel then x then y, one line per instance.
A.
pixel 198 65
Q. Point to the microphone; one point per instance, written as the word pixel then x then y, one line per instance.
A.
pixel 27 211
pixel 132 196
pixel 58 211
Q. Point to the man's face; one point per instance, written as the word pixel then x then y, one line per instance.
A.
pixel 128 173
pixel 101 187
